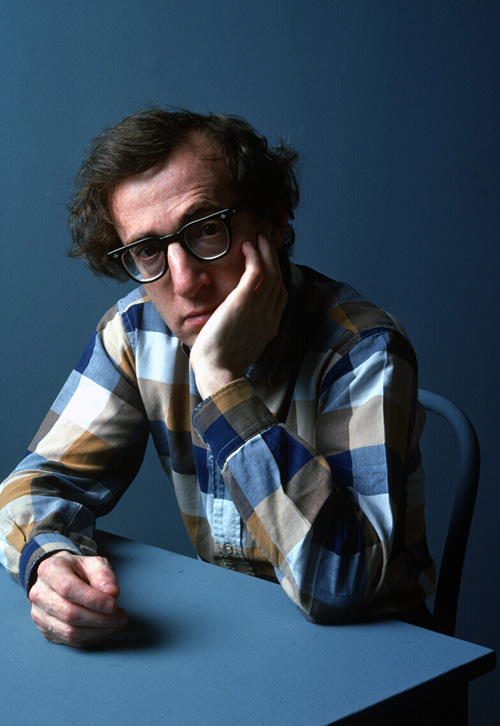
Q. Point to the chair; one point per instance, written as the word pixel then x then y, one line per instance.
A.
pixel 450 572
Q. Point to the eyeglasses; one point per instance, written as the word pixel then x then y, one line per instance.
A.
pixel 206 239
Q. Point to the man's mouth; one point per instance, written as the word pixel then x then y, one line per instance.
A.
pixel 199 317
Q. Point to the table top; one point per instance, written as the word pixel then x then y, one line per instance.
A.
pixel 211 646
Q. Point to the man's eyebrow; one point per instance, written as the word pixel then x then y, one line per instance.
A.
pixel 197 211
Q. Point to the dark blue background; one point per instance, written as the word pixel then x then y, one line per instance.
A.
pixel 394 106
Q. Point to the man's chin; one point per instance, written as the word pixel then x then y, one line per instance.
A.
pixel 188 338
pixel 192 328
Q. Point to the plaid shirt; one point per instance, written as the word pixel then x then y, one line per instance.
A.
pixel 306 471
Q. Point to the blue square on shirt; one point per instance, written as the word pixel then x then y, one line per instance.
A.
pixel 290 455
pixel 222 439
pixel 86 356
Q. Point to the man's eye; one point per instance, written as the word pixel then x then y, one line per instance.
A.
pixel 147 250
pixel 210 229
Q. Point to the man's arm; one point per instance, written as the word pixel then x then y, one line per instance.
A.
pixel 85 454
pixel 327 512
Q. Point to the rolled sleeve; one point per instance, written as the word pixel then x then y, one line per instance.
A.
pixel 231 417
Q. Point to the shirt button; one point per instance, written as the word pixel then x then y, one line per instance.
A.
pixel 228 548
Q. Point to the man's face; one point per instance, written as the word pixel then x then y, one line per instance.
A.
pixel 191 184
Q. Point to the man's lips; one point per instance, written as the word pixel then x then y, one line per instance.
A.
pixel 199 316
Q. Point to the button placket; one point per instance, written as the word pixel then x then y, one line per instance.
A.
pixel 226 523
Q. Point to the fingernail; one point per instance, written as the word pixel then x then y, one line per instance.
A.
pixel 108 607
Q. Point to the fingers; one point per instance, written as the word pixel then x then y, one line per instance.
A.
pixel 98 573
pixel 265 259
pixel 241 327
pixel 262 264
pixel 70 627
pixel 87 581
pixel 74 600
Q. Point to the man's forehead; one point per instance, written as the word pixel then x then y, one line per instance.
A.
pixel 193 177
pixel 194 155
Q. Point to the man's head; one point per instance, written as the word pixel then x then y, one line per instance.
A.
pixel 261 177
pixel 151 212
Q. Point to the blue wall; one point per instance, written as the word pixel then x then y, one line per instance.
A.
pixel 395 108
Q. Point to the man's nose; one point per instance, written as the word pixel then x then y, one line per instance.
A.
pixel 187 273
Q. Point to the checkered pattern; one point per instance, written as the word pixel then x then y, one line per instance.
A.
pixel 307 471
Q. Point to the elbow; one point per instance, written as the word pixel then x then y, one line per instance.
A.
pixel 323 614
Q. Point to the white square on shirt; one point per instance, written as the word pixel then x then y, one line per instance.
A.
pixel 86 403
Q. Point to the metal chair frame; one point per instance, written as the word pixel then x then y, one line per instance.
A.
pixel 444 613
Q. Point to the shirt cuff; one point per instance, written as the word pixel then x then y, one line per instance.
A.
pixel 230 417
pixel 37 549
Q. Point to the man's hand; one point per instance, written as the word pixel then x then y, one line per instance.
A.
pixel 74 600
pixel 241 327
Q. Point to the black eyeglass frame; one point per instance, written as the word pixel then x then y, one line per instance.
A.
pixel 225 215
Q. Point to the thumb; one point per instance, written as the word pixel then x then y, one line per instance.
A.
pixel 99 574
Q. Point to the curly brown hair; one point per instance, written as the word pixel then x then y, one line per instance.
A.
pixel 264 177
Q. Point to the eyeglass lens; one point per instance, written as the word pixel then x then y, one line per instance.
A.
pixel 207 240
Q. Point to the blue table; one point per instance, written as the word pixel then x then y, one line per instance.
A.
pixel 210 646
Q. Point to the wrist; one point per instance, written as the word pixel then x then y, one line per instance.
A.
pixel 211 380
pixel 33 574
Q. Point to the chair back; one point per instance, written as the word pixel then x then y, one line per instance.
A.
pixel 450 571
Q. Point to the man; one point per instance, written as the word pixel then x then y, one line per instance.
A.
pixel 282 405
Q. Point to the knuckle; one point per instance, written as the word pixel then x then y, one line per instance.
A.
pixel 68 613
pixel 69 633
pixel 64 588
